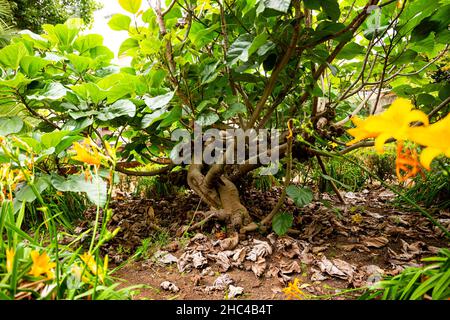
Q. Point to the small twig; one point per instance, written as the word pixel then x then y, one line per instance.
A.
pixel 324 171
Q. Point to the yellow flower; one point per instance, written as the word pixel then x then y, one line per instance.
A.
pixel 293 290
pixel 77 272
pixel 435 138
pixel 89 260
pixel 86 152
pixel 41 265
pixel 9 259
pixel 393 123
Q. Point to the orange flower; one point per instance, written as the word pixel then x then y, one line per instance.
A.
pixel 407 161
pixel 87 152
pixel 41 265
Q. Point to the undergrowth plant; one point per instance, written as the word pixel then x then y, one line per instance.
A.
pixel 430 282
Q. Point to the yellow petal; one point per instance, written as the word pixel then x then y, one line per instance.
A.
pixel 380 141
pixel 427 155
pixel 9 259
pixel 417 115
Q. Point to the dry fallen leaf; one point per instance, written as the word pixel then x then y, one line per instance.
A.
pixel 221 283
pixel 234 291
pixel 259 266
pixel 198 260
pixel 229 243
pixel 260 249
pixel 327 266
pixel 375 242
pixel 164 257
pixel 169 286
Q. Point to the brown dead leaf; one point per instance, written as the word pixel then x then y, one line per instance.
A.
pixel 328 267
pixel 259 266
pixel 229 243
pixel 375 242
pixel 260 249
pixel 290 267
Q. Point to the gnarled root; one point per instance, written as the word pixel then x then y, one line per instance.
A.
pixel 222 196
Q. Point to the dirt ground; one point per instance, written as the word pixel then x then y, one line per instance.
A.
pixel 333 247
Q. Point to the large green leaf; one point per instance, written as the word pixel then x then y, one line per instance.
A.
pixel 239 49
pixel 331 8
pixel 117 109
pixel 301 196
pixel 350 51
pixel 278 5
pixel 282 222
pixel 127 46
pixel 94 187
pixel 119 22
pixel 173 116
pixel 54 91
pixel 87 42
pixel 132 6
pixel 52 139
pixel 10 125
pixel 158 102
pixel 207 118
pixel 151 118
pixel 89 91
pixel 80 64
pixel 233 110
pixel 31 65
pixel 26 192
pixel 10 56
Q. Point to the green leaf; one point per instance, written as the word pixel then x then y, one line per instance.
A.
pixel 239 49
pixel 406 57
pixel 151 46
pixel 350 51
pixel 52 139
pixel 300 196
pixel 54 91
pixel 10 125
pixel 210 73
pixel 132 6
pixel 151 118
pixel 278 5
pixel 444 93
pixel 207 118
pixel 331 8
pixel 80 64
pixel 26 193
pixel 119 22
pixel 87 42
pixel 312 4
pixel 127 45
pixel 173 116
pixel 89 91
pixel 31 65
pixel 159 102
pixel 426 100
pixel 10 56
pixel 117 109
pixel 65 143
pixel 95 187
pixel 282 222
pixel 233 110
